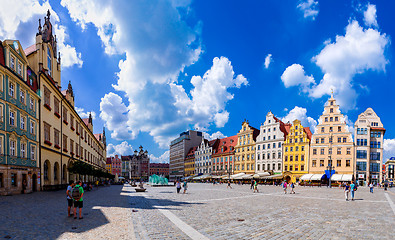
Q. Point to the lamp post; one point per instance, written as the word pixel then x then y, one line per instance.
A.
pixel 330 168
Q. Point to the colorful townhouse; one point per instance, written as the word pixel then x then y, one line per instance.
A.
pixel 296 152
pixel 223 156
pixel 245 149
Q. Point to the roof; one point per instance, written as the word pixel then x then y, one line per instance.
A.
pixel 98 136
pixel 308 132
pixel 64 92
pixel 225 143
pixel 108 161
pixel 86 121
pixel 191 152
pixel 30 49
pixel 2 60
pixel 377 128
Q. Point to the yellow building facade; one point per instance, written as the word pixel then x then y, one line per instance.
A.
pixel 296 152
pixel 245 149
pixel 189 163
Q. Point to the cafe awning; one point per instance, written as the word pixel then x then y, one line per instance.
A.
pixel 317 177
pixel 247 176
pixel 341 177
pixel 306 177
pixel 234 176
pixel 336 177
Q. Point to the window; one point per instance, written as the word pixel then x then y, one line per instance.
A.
pixel 322 140
pixel 302 167
pixel 331 119
pixel 268 156
pixel 362 142
pixel 330 139
pixel 315 151
pixel 279 155
pixel 362 131
pixel 374 167
pixel 23 123
pixel 296 148
pixel 33 152
pixel 331 103
pixel 279 144
pixel 302 148
pixel 296 140
pixel 19 69
pixel 290 168
pixel 31 103
pixel 330 151
pixel 12 118
pixel 12 148
pixel 22 96
pixel 12 89
pixel 47 132
pixel 56 106
pixel 339 129
pixel 331 110
pixel 291 149
pixel 259 147
pixel 302 158
pixel 361 154
pixel 322 151
pixel 322 129
pixel 286 159
pixel 326 119
pixel 274 145
pixel 57 138
pixel 47 98
pixel 339 151
pixel 321 163
pixel 336 119
pixel 274 155
pixel 23 150
pixel 65 115
pixel 1 113
pixel 374 156
pixel 361 166
pixel 314 164
pixel 297 158
pixel 12 63
pixel 344 139
pixel 339 163
pixel 32 127
pixel 291 158
pixel 348 163
pixel 330 129
pixel 348 151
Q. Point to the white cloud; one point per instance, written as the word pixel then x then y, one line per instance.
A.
pixel 295 75
pixel 213 136
pixel 121 149
pixel 268 60
pixel 300 114
pixel 354 53
pixel 84 114
pixel 389 148
pixel 370 16
pixel 164 158
pixel 19 20
pixel 309 8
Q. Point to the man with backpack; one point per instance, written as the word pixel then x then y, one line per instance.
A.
pixel 70 197
pixel 353 188
pixel 78 193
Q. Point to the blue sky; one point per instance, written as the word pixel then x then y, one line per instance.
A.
pixel 149 70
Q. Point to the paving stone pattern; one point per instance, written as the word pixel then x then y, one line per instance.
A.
pixel 118 212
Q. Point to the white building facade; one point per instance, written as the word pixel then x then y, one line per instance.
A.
pixel 269 145
pixel 203 156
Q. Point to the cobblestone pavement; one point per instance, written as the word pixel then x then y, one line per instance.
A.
pixel 206 212
pixel 221 213
pixel 43 215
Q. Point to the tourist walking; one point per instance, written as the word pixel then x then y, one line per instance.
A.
pixel 252 184
pixel 78 193
pixel 185 186
pixel 69 197
pixel 371 187
pixel 178 186
pixel 256 186
pixel 285 187
pixel 229 186
pixel 353 188
pixel 292 188
pixel 346 191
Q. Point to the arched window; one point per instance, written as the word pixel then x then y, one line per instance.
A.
pixel 46 170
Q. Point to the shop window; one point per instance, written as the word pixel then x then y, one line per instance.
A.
pixel 13 179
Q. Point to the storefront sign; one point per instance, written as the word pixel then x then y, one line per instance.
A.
pixel 361 175
pixel 374 176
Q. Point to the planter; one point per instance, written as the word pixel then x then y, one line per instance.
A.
pixel 48 142
pixel 47 107
pixel 57 114
pixel 65 122
pixel 57 146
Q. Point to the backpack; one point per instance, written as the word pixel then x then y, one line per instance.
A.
pixel 76 193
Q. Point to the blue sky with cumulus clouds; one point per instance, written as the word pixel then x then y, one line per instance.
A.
pixel 149 70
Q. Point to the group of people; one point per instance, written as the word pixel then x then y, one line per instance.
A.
pixel 352 188
pixel 184 185
pixel 75 193
pixel 285 185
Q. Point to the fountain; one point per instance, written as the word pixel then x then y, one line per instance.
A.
pixel 158 181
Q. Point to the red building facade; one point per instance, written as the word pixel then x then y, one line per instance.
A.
pixel 160 169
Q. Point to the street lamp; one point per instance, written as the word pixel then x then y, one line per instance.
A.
pixel 330 168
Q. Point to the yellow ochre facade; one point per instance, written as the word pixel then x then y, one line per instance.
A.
pixel 245 149
pixel 296 152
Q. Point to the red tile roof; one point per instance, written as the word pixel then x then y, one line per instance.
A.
pixel 30 49
pixel 308 132
pixel 378 128
pixel 191 152
pixel 98 136
pixel 226 144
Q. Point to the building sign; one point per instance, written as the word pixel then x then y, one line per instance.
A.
pixel 38 178
pixel 361 175
pixel 374 176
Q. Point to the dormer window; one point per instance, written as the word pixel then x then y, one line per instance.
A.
pixel 49 60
